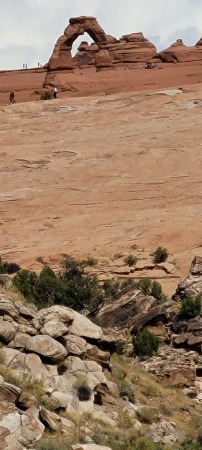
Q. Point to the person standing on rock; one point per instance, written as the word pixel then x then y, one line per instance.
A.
pixel 55 91
pixel 12 97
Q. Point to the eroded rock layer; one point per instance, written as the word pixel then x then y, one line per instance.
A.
pixel 178 52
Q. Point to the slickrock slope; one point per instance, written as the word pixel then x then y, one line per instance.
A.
pixel 102 175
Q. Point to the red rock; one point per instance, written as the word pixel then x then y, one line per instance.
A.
pixel 106 50
pixel 61 58
pixel 180 53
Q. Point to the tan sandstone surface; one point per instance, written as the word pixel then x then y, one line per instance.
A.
pixel 103 174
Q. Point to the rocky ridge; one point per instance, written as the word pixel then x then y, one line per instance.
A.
pixel 108 52
pixel 178 52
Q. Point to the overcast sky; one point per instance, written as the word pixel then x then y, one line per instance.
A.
pixel 30 28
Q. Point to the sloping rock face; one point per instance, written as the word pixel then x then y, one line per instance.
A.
pixel 180 53
pixel 132 310
pixel 192 285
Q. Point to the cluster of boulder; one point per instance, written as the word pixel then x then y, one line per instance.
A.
pixel 67 356
pixel 61 349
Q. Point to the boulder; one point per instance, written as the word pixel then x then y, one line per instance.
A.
pixel 83 327
pixel 74 345
pixel 30 364
pixel 174 367
pixel 9 392
pixel 19 341
pixel 95 354
pixel 7 307
pixel 25 427
pixel 192 285
pixel 133 310
pixel 7 330
pixel 89 447
pixel 47 347
pixel 5 281
pixel 55 320
pixel 103 60
pixel 157 313
pixel 55 422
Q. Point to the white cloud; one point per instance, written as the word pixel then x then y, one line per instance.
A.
pixel 30 28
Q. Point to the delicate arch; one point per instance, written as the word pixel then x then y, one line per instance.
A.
pixel 61 58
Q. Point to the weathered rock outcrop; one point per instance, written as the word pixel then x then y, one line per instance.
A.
pixel 173 366
pixel 104 53
pixel 192 285
pixel 132 310
pixel 61 58
pixel 180 53
pixel 129 49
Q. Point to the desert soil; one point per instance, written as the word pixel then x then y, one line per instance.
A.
pixel 113 167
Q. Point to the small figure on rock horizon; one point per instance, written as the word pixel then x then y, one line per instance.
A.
pixel 12 97
pixel 55 91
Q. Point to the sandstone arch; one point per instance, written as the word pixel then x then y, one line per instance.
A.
pixel 61 58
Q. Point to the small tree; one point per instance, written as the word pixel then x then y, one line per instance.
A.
pixel 156 291
pixel 160 255
pixel 145 286
pixel 191 307
pixel 145 343
pixel 25 281
pixel 111 287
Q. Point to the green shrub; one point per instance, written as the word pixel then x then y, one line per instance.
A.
pixel 124 440
pixel 145 286
pixel 190 307
pixel 153 288
pixel 160 255
pixel 72 288
pixel 147 414
pixel 190 444
pixel 82 388
pixel 49 289
pixel 128 282
pixel 25 281
pixel 90 262
pixel 111 287
pixel 130 260
pixel 8 267
pixel 145 343
pixel 82 290
pixel 46 95
pixel 57 444
pixel 119 347
pixel 126 390
pixel 156 291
